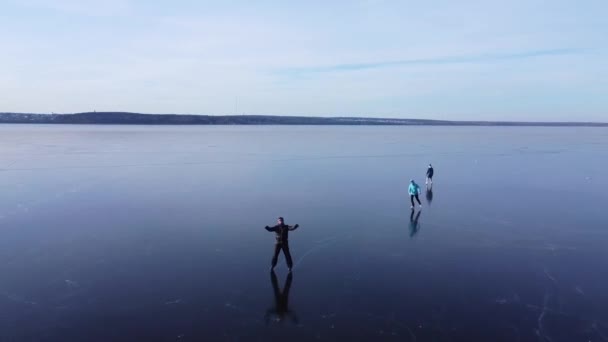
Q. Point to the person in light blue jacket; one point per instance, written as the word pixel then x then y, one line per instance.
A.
pixel 414 191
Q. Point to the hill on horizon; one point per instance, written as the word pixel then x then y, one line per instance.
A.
pixel 121 118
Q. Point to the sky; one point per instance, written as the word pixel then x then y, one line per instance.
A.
pixel 456 60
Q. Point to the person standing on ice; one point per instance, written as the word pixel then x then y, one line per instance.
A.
pixel 429 174
pixel 414 191
pixel 282 232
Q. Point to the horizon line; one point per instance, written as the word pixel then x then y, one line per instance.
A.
pixel 319 117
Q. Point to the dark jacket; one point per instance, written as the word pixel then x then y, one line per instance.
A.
pixel 430 172
pixel 282 232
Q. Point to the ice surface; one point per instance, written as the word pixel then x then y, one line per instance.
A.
pixel 155 233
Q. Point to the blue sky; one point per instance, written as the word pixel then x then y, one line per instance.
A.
pixel 491 60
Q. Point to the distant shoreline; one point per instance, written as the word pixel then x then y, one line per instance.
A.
pixel 126 118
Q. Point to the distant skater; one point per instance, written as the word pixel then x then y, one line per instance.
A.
pixel 414 191
pixel 429 174
pixel 282 232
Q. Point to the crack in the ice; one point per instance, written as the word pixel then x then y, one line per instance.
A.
pixel 541 328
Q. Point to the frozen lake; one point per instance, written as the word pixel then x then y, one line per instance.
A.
pixel 156 233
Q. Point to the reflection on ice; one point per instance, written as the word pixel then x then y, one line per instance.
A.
pixel 281 310
pixel 414 224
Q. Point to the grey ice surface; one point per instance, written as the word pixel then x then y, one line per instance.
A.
pixel 155 233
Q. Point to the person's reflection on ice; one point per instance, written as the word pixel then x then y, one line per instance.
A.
pixel 280 311
pixel 414 225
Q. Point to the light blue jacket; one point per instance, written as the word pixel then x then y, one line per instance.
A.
pixel 413 189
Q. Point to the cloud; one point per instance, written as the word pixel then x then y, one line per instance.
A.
pixel 482 58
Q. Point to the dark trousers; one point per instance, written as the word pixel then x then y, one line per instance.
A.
pixel 417 199
pixel 277 249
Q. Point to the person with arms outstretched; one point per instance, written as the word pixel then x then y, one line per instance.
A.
pixel 414 191
pixel 282 233
pixel 429 174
